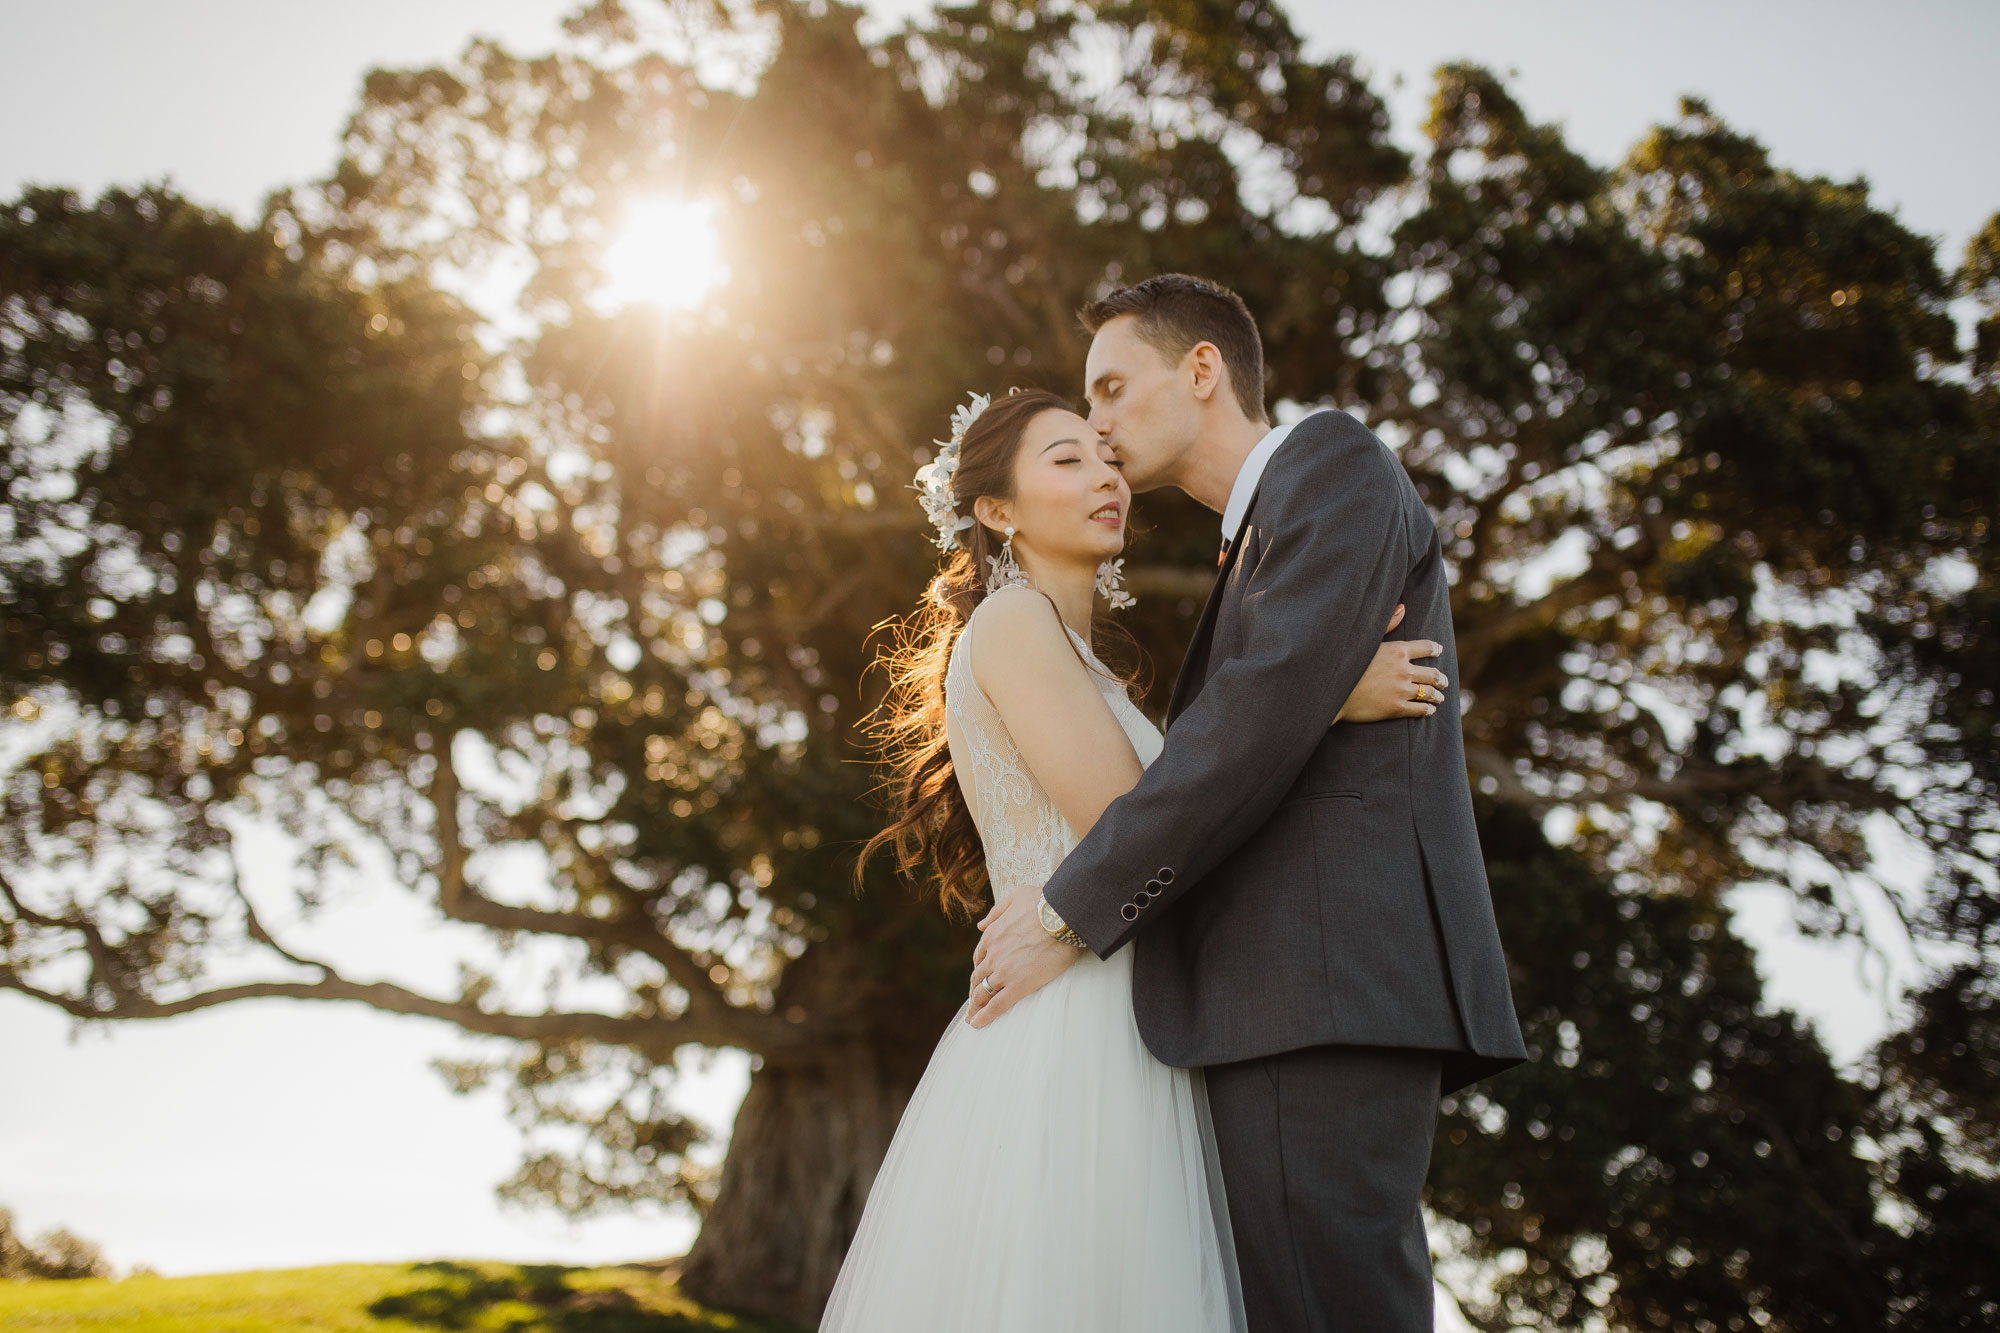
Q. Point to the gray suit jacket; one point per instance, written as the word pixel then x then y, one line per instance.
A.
pixel 1293 884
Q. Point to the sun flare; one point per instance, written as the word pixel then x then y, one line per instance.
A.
pixel 666 255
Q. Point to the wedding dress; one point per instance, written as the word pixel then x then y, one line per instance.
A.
pixel 1049 1174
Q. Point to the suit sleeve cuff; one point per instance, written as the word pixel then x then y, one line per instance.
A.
pixel 1106 927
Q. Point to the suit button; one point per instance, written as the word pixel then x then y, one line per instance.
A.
pixel 1130 911
pixel 1166 875
pixel 1153 885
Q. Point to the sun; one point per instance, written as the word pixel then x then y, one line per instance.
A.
pixel 666 255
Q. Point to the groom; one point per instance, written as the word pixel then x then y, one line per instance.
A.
pixel 1309 902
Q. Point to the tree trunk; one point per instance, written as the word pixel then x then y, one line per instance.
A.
pixel 808 1141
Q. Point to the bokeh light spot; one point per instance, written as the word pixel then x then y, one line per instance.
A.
pixel 666 255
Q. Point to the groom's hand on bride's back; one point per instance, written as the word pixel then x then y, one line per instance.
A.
pixel 1395 685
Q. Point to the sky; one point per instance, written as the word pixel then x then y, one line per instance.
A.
pixel 282 1134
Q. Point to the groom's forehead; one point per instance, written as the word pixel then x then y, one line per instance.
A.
pixel 1111 351
pixel 1114 338
pixel 1120 347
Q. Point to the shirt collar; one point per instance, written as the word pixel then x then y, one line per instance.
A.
pixel 1247 478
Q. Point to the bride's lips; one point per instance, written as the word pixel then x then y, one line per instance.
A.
pixel 1109 515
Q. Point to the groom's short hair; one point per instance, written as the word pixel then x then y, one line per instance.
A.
pixel 1176 311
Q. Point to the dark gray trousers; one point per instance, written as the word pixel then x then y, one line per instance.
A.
pixel 1323 1155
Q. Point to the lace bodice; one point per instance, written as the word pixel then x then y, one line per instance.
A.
pixel 1024 835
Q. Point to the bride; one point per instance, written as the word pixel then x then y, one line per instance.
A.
pixel 1049 1174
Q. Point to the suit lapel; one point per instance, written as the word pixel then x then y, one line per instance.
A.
pixel 1194 666
pixel 1194 663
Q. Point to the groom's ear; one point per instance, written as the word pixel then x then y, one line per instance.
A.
pixel 1204 365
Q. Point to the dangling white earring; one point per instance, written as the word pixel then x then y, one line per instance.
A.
pixel 1111 584
pixel 1006 572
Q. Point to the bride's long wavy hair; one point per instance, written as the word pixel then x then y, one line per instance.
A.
pixel 930 821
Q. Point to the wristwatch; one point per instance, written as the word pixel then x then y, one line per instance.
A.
pixel 1053 923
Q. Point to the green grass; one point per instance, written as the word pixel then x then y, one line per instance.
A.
pixel 373 1298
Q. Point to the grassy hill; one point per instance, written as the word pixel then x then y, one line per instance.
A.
pixel 373 1298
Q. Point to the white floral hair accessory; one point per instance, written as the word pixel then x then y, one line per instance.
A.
pixel 933 483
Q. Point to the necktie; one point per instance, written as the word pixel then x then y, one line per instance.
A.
pixel 1223 554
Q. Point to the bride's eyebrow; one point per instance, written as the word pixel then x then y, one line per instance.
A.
pixel 1053 443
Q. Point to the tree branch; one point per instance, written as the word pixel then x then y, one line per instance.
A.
pixel 105 965
pixel 1779 785
pixel 654 1038
pixel 707 1004
pixel 1487 762
pixel 1483 636
pixel 255 927
pixel 29 914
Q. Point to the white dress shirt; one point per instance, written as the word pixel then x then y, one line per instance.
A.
pixel 1248 476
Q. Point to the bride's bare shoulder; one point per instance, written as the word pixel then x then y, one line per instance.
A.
pixel 1018 645
pixel 1016 606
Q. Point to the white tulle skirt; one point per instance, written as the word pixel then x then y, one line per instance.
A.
pixel 1048 1176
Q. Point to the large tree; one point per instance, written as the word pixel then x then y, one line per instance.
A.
pixel 1722 498
pixel 568 605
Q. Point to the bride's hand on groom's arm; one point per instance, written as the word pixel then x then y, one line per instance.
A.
pixel 1394 684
